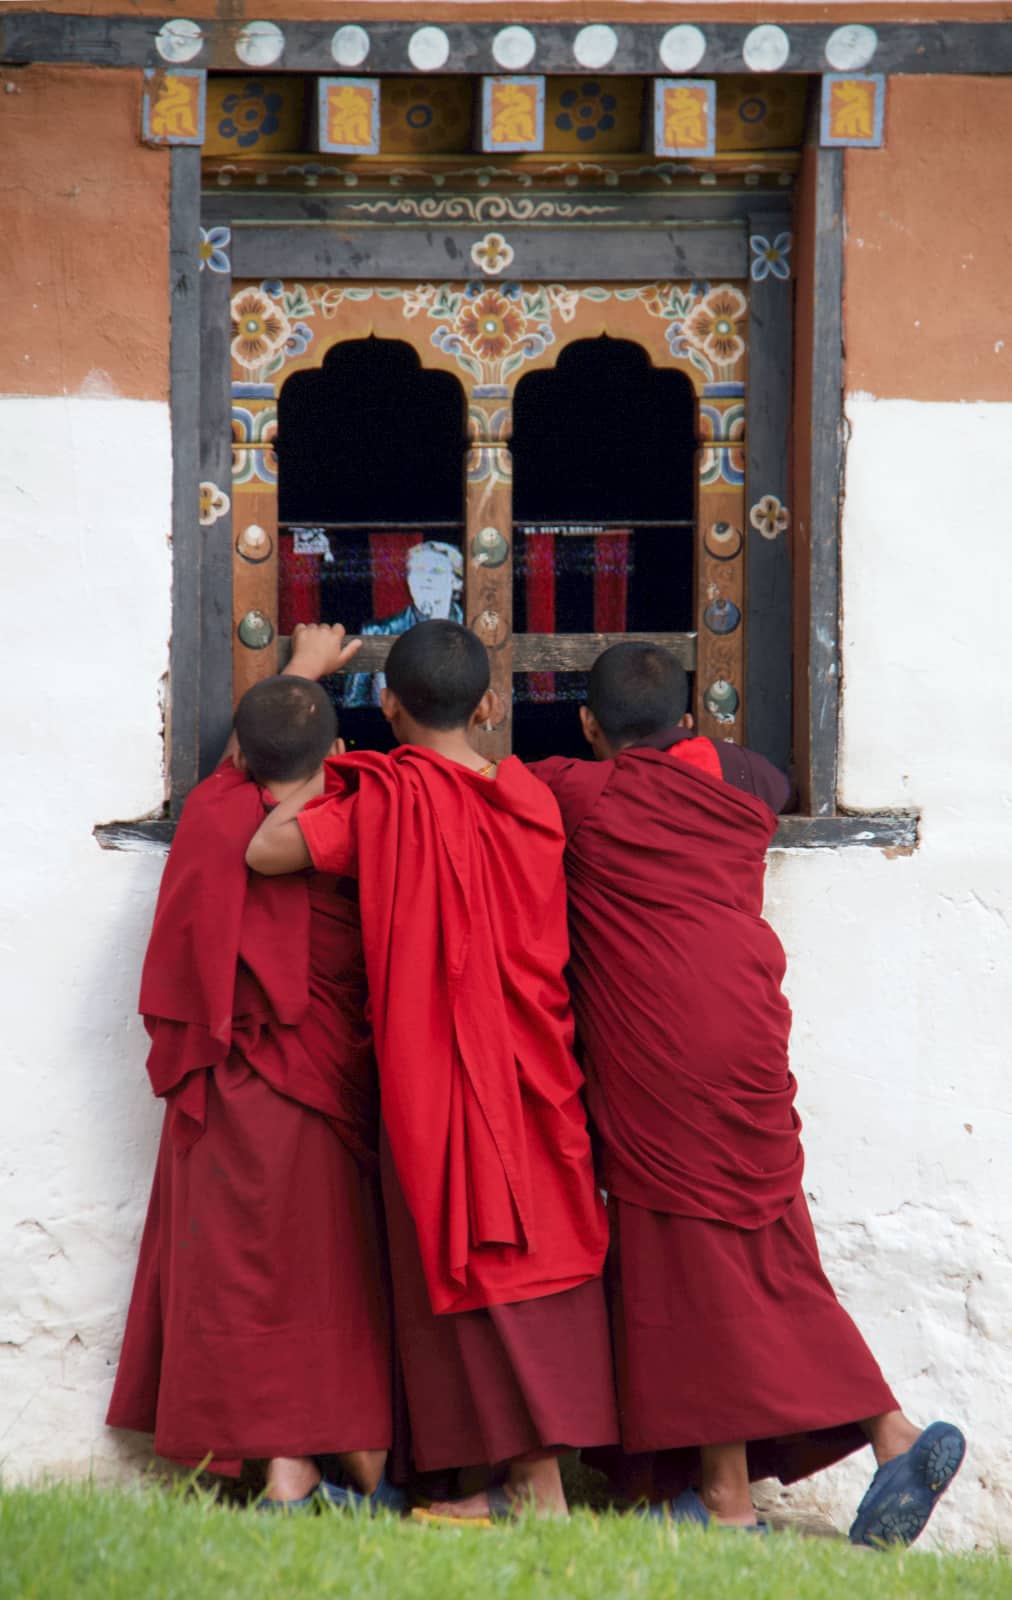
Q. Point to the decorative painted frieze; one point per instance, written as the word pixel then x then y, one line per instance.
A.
pixel 348 116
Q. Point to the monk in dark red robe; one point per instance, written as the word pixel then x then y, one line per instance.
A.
pixel 735 1360
pixel 497 1232
pixel 259 1323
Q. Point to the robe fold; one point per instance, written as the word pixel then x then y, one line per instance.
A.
pixel 725 1326
pixel 464 928
pixel 497 1232
pixel 261 1282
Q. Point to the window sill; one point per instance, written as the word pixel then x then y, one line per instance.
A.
pixel 894 831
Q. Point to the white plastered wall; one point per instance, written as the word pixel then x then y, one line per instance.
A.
pixel 900 969
pixel 85 518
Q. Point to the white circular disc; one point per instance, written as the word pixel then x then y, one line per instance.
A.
pixel 514 48
pixel 850 48
pixel 595 46
pixel 350 45
pixel 428 49
pixel 683 48
pixel 260 44
pixel 179 40
pixel 766 48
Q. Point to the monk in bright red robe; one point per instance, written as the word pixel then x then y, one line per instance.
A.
pixel 735 1360
pixel 259 1324
pixel 497 1232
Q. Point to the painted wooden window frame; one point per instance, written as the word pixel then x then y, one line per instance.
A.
pixel 200 663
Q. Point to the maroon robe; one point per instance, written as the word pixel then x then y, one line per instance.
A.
pixel 725 1326
pixel 497 1231
pixel 258 1324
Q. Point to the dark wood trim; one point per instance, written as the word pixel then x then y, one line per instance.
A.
pixel 826 434
pixel 893 831
pixel 309 250
pixel 184 367
pixel 216 538
pixel 130 41
pixel 768 570
pixel 453 209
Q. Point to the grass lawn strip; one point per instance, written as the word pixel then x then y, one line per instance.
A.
pixel 73 1542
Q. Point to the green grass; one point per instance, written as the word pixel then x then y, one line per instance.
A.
pixel 86 1543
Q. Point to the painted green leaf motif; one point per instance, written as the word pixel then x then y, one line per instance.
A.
pixel 296 302
pixel 596 294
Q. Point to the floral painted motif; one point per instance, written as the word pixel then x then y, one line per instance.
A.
pixel 214 243
pixel 251 113
pixel 214 503
pixel 769 516
pixel 489 331
pixel 491 325
pixel 588 110
pixel 715 326
pixel 770 260
pixel 492 254
pixel 260 329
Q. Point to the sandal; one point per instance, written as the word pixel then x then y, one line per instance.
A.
pixel 905 1491
pixel 688 1507
pixel 500 1509
pixel 386 1496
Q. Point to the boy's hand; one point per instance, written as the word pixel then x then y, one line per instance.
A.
pixel 319 648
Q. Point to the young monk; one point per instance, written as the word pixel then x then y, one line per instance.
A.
pixel 258 1326
pixel 496 1229
pixel 735 1360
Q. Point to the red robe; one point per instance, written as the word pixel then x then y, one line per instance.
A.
pixel 497 1232
pixel 260 1284
pixel 464 928
pixel 725 1326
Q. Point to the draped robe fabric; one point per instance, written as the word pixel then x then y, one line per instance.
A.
pixel 497 1232
pixel 725 1326
pixel 464 928
pixel 261 1279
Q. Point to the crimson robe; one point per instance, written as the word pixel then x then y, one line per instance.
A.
pixel 463 907
pixel 725 1325
pixel 497 1231
pixel 260 1285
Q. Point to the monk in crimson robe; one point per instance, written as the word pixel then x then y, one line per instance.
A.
pixel 496 1229
pixel 735 1360
pixel 259 1323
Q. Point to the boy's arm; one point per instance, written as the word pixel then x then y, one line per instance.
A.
pixel 278 845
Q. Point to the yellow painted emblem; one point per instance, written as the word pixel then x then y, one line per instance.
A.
pixel 514 113
pixel 852 109
pixel 175 109
pixel 349 115
pixel 685 118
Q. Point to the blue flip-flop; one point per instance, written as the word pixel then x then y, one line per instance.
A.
pixel 904 1492
pixel 289 1507
pixel 385 1497
pixel 688 1507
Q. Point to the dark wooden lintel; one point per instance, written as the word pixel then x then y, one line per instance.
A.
pixel 532 652
pixel 309 250
pixel 539 212
pixel 130 41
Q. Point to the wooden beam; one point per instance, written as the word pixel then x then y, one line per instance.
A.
pixel 184 368
pixel 768 572
pixel 216 536
pixel 826 468
pixel 532 652
pixel 305 47
pixel 308 250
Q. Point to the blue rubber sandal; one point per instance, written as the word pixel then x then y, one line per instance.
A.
pixel 687 1507
pixel 904 1492
pixel 289 1507
pixel 385 1497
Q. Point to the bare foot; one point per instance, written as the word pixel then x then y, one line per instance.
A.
pixel 364 1468
pixel 474 1507
pixel 291 1478
pixel 891 1435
